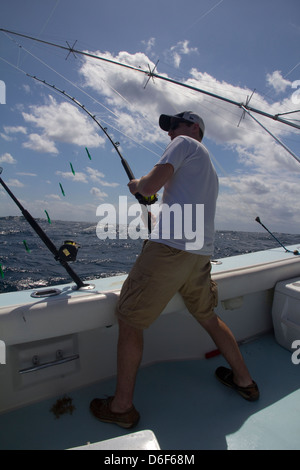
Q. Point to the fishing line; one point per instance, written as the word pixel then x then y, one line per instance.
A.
pixel 170 81
pixel 245 107
pixel 152 74
pixel 59 255
pixel 272 135
pixel 295 252
pixel 82 91
pixel 204 15
pixel 131 107
pixel 55 71
pixel 49 17
pixel 143 200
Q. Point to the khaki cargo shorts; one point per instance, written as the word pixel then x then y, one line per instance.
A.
pixel 158 273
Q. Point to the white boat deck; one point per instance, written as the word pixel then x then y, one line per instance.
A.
pixel 183 404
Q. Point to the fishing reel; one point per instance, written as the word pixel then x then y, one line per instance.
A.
pixel 68 251
pixel 146 200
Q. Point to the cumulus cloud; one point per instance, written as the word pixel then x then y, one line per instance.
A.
pixel 263 166
pixel 79 177
pixel 276 80
pixel 98 194
pixel 247 196
pixel 60 122
pixel 149 44
pixel 15 129
pixel 180 49
pixel 97 177
pixel 10 131
pixel 15 183
pixel 40 143
pixel 90 175
pixel 7 158
pixel 132 106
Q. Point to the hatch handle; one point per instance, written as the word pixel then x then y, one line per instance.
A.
pixel 60 359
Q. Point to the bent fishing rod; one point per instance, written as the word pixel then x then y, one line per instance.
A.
pixel 143 200
pixel 295 252
pixel 60 255
pixel 152 74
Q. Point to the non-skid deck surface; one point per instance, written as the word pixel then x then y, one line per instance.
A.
pixel 183 404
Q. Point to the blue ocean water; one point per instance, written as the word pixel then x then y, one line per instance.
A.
pixel 35 266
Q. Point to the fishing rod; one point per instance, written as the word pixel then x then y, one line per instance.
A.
pixel 152 74
pixel 66 252
pixel 143 200
pixel 295 252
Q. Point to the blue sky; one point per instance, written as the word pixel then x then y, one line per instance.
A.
pixel 228 47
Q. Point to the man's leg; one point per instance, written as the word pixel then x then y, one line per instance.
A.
pixel 227 345
pixel 130 351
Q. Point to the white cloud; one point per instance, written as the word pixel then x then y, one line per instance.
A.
pixel 7 158
pixel 261 165
pixel 91 175
pixel 11 130
pixel 52 197
pixel 150 43
pixel 246 196
pixel 97 193
pixel 26 88
pixel 15 129
pixel 15 183
pixel 23 173
pixel 6 137
pixel 180 49
pixel 40 143
pixel 60 123
pixel 276 80
pixel 136 110
pixel 79 177
pixel 60 209
pixel 97 177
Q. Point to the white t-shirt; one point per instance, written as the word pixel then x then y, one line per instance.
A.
pixel 187 212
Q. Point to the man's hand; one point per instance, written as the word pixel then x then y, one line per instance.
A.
pixel 153 182
pixel 132 185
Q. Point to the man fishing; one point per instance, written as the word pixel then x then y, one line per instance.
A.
pixel 169 264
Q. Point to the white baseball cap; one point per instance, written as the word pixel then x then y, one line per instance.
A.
pixel 165 120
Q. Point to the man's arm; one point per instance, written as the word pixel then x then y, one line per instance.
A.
pixel 153 182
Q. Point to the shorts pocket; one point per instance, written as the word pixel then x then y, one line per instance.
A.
pixel 214 292
pixel 132 291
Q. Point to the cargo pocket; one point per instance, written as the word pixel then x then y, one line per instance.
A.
pixel 214 293
pixel 132 292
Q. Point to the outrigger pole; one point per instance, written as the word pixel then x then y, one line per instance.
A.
pixel 44 237
pixel 143 200
pixel 152 74
pixel 272 135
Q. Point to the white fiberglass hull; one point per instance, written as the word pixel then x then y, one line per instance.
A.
pixel 56 344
